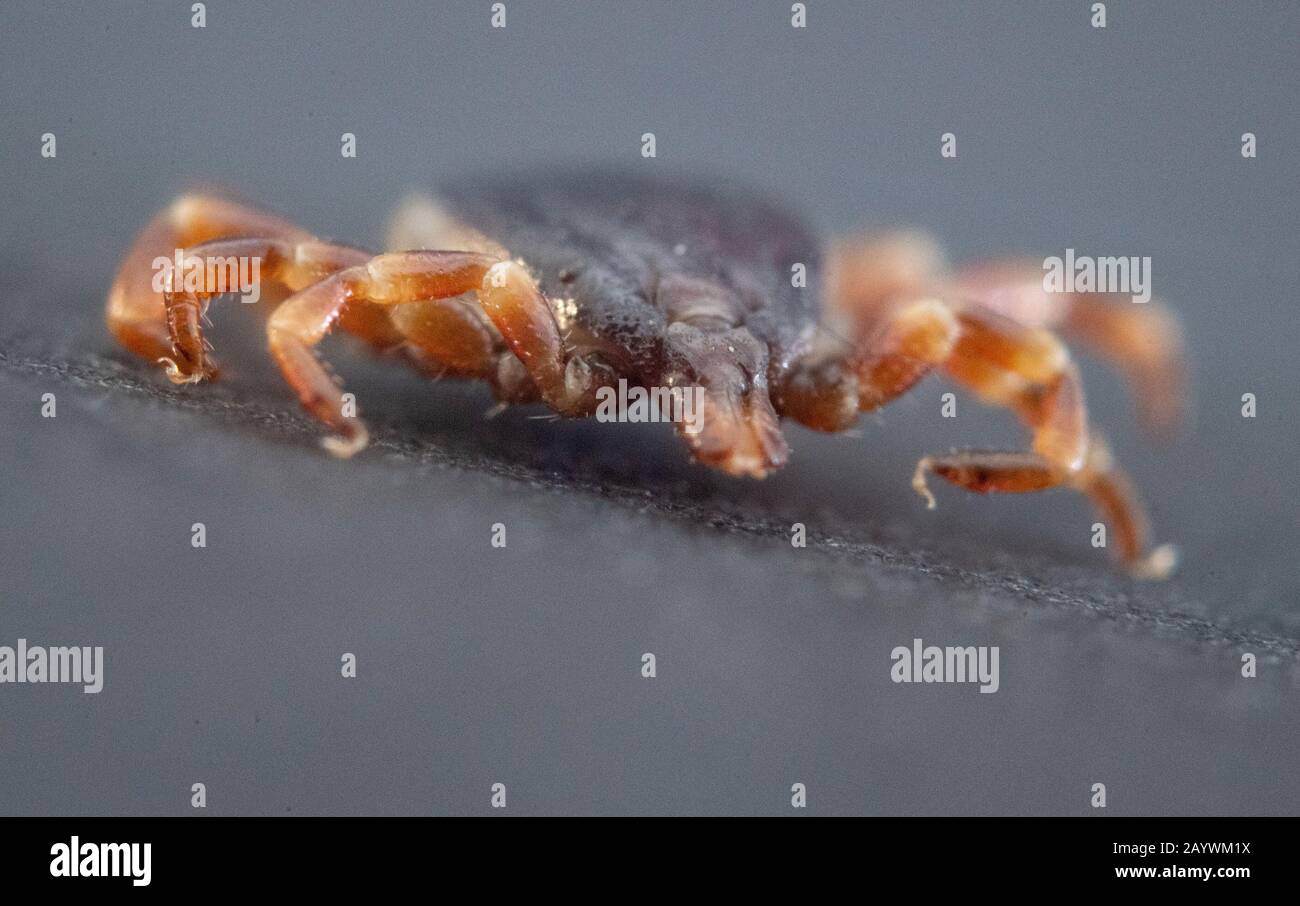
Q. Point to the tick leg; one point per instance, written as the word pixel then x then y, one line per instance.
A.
pixel 421 222
pixel 867 274
pixel 1005 364
pixel 1030 372
pixel 452 332
pixel 907 345
pixel 830 382
pixel 882 285
pixel 1141 340
pixel 1105 485
pixel 821 388
pixel 135 310
pixel 508 295
pixel 289 264
pixel 453 336
pixel 997 344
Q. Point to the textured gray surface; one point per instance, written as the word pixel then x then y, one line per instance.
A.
pixel 521 665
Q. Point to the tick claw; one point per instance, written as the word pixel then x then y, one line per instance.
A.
pixel 347 446
pixel 919 484
pixel 1159 564
pixel 176 376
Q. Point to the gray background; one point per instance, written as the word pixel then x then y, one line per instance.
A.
pixel 521 665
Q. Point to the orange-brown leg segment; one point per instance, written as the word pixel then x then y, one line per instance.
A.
pixel 135 308
pixel 1141 340
pixel 998 346
pixel 452 336
pixel 290 265
pixel 1028 371
pixel 1100 479
pixel 507 293
pixel 907 345
pixel 451 333
pixel 868 275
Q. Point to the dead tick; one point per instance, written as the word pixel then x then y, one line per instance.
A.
pixel 551 287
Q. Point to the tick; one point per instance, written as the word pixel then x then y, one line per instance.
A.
pixel 551 287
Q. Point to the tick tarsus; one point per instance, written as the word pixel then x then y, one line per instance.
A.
pixel 1096 477
pixel 633 301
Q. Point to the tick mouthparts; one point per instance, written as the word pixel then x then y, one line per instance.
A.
pixel 738 430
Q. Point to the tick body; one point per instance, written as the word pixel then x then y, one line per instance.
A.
pixel 551 287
